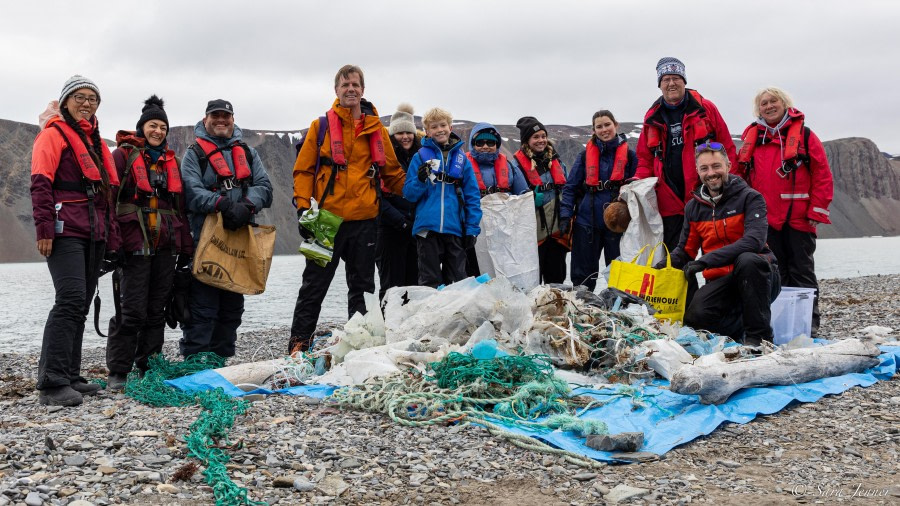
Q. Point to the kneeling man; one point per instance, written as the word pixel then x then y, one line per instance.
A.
pixel 726 221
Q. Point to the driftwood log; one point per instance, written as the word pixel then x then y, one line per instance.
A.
pixel 716 382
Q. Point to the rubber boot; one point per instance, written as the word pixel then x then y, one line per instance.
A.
pixel 85 388
pixel 116 382
pixel 60 396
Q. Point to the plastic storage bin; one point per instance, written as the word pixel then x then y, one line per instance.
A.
pixel 792 313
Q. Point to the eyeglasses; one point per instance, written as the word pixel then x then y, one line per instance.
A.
pixel 79 99
pixel 485 142
pixel 710 146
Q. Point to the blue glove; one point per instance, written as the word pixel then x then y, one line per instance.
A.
pixel 538 198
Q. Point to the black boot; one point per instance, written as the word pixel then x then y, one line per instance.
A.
pixel 85 388
pixel 60 396
pixel 116 382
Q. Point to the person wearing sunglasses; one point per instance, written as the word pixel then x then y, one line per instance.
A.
pixel 677 121
pixel 546 175
pixel 594 181
pixel 725 221
pixel 493 171
pixel 785 161
pixel 73 186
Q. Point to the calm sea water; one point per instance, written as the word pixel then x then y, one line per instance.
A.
pixel 26 291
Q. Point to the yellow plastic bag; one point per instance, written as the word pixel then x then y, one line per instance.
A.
pixel 665 289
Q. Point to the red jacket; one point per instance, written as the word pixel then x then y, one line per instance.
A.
pixel 51 161
pixel 650 165
pixel 805 193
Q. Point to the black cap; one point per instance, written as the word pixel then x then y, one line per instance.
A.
pixel 219 105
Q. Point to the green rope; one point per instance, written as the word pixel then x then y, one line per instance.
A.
pixel 213 423
pixel 457 369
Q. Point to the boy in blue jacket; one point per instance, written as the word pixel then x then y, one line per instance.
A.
pixel 441 183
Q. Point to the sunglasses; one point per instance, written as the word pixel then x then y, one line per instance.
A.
pixel 485 142
pixel 710 146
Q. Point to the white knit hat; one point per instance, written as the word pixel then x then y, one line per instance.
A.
pixel 77 82
pixel 402 120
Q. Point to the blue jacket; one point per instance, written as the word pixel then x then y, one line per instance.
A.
pixel 590 206
pixel 517 183
pixel 438 208
pixel 201 200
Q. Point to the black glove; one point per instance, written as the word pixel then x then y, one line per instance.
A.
pixel 237 216
pixel 423 172
pixel 182 261
pixel 112 260
pixel 660 265
pixel 692 268
pixel 469 241
pixel 565 224
pixel 305 233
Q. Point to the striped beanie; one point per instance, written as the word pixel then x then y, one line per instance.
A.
pixel 77 82
pixel 669 66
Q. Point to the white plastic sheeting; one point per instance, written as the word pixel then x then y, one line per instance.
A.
pixel 646 225
pixel 507 245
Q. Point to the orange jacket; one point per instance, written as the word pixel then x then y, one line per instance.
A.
pixel 354 196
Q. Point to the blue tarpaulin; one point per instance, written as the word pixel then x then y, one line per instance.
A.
pixel 667 419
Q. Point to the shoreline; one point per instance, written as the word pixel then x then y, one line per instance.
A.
pixel 814 451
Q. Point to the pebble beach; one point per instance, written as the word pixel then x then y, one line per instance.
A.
pixel 114 450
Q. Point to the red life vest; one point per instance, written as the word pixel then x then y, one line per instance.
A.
pixel 794 147
pixel 501 173
pixel 703 129
pixel 592 163
pixel 531 173
pixel 88 168
pixel 166 162
pixel 336 133
pixel 215 158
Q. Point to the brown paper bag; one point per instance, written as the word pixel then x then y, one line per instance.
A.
pixel 237 261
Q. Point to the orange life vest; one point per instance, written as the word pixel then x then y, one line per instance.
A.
pixel 592 164
pixel 531 173
pixel 167 163
pixel 501 173
pixel 703 129
pixel 794 147
pixel 215 158
pixel 336 133
pixel 88 168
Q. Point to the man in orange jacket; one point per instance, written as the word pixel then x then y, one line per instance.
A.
pixel 342 175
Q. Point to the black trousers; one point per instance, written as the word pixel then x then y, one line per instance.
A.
pixel 795 251
pixel 738 304
pixel 355 245
pixel 587 245
pixel 552 261
pixel 442 259
pixel 74 281
pixel 472 268
pixel 215 318
pixel 672 226
pixel 145 288
pixel 396 258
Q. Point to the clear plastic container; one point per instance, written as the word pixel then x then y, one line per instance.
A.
pixel 792 313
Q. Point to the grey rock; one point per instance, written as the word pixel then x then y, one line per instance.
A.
pixel 23 482
pixel 33 499
pixel 350 463
pixel 622 492
pixel 75 460
pixel 621 442
pixel 584 476
pixel 303 485
pixel 729 464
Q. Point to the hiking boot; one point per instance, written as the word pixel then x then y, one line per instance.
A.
pixel 85 388
pixel 116 382
pixel 60 396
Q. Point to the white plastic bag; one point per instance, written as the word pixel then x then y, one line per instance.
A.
pixel 507 245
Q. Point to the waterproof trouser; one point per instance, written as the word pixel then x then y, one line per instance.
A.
pixel 215 318
pixel 145 288
pixel 794 250
pixel 587 245
pixel 472 268
pixel 442 259
pixel 738 304
pixel 354 243
pixel 74 280
pixel 552 261
pixel 396 258
pixel 672 226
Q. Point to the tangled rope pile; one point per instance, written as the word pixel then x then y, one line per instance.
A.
pixel 513 390
pixel 213 424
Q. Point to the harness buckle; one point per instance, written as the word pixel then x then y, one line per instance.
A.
pixel 785 170
pixel 373 169
pixel 228 183
pixel 340 167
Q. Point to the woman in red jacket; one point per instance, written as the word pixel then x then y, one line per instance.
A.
pixel 73 185
pixel 152 223
pixel 785 161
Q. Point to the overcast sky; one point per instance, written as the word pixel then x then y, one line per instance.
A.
pixel 483 60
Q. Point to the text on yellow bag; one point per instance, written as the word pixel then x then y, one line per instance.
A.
pixel 665 289
pixel 234 260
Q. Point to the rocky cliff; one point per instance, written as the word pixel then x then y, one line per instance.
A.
pixel 866 201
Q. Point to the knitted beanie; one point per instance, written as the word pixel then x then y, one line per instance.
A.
pixel 669 66
pixel 77 82
pixel 528 126
pixel 488 135
pixel 402 120
pixel 153 109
